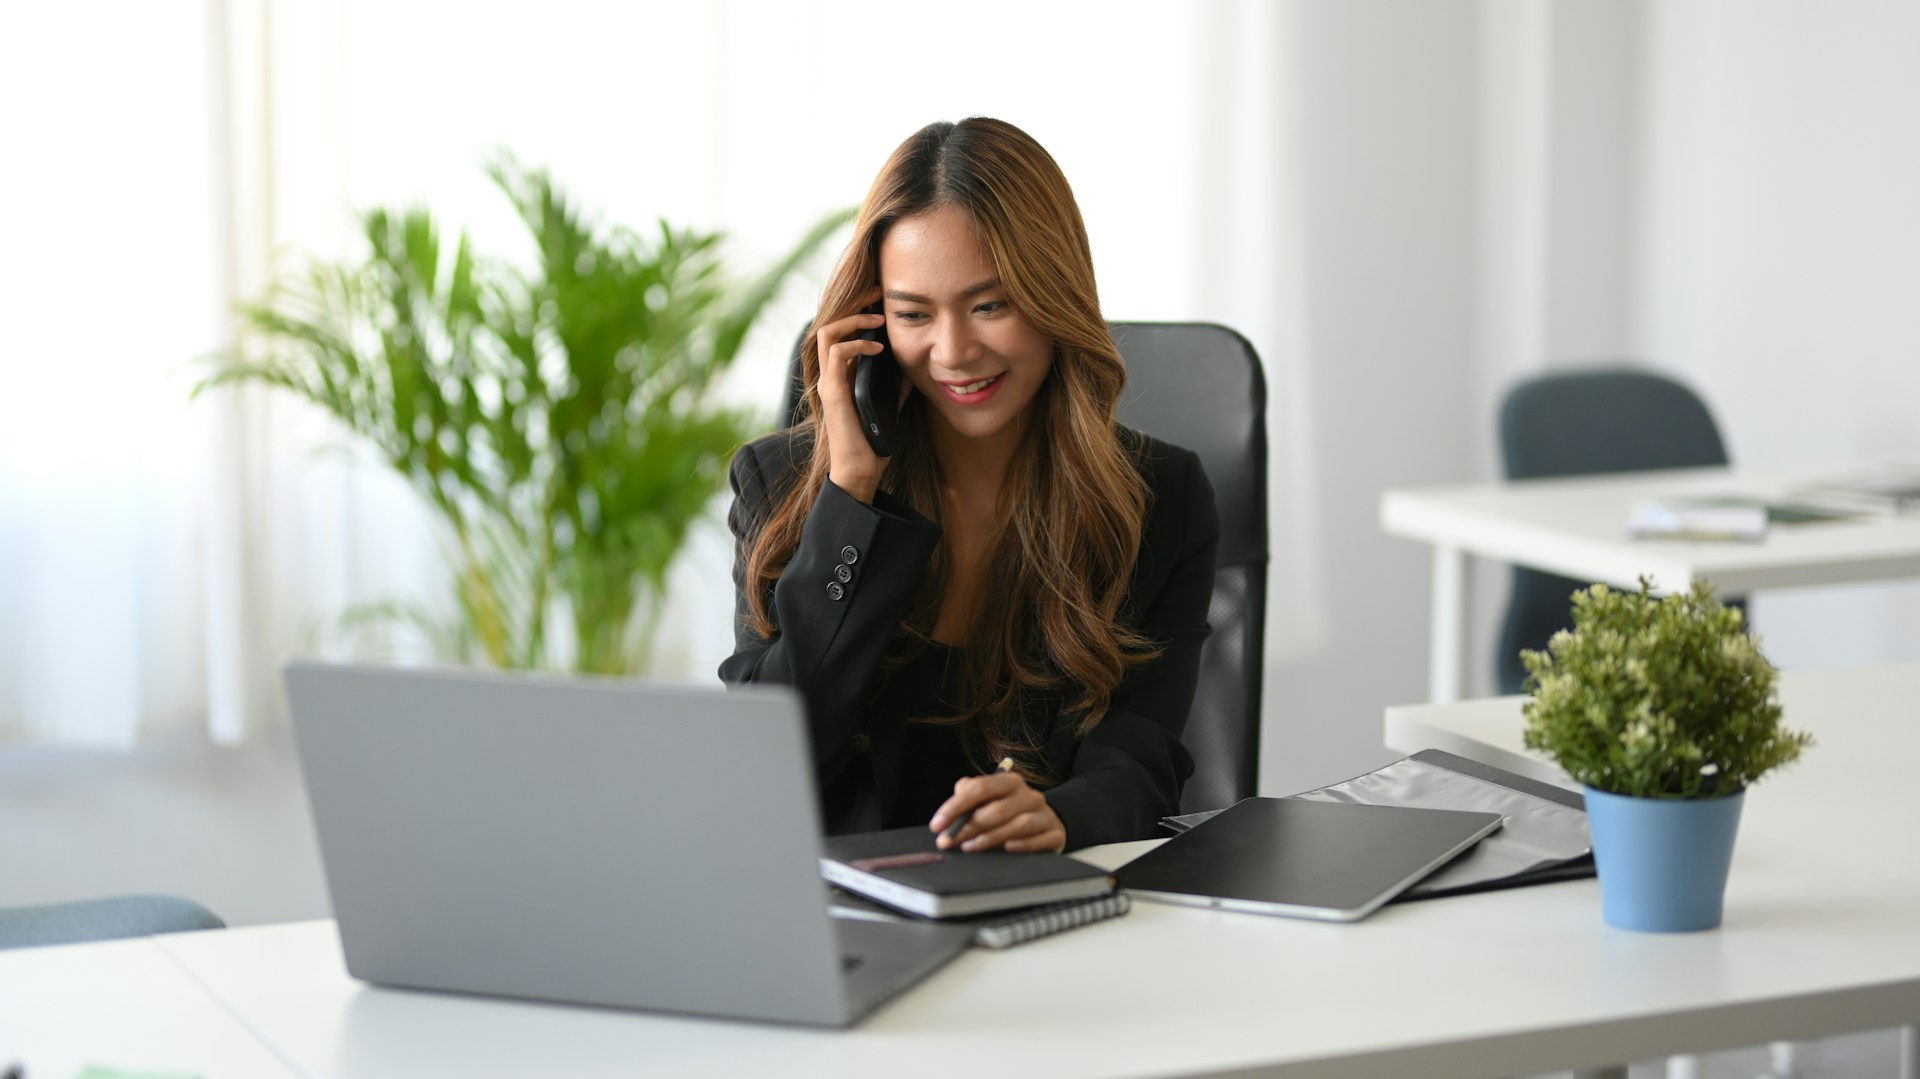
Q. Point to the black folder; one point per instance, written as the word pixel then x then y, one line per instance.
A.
pixel 1545 838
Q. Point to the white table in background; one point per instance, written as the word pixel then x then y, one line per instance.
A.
pixel 1576 527
pixel 122 1004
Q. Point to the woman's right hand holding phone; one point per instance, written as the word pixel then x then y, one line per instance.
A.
pixel 851 463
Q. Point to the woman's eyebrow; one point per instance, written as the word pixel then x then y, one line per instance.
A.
pixel 988 285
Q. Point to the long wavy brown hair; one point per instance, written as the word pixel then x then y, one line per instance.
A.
pixel 1052 624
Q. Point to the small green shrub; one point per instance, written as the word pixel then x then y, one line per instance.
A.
pixel 1657 697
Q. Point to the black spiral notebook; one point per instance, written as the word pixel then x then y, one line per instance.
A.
pixel 1000 929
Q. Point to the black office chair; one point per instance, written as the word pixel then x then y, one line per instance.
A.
pixel 1200 386
pixel 1581 423
pixel 102 919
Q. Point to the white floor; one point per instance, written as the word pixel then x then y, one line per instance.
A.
pixel 229 828
pixel 225 827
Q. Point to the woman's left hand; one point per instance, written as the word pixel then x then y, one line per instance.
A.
pixel 1006 812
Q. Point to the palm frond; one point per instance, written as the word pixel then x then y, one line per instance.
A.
pixel 555 419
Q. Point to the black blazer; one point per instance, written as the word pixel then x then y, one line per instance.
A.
pixel 840 601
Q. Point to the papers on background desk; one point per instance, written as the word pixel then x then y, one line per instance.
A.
pixel 1894 489
pixel 1697 521
pixel 1737 518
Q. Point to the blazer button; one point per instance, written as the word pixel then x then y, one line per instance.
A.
pixel 835 591
pixel 843 574
pixel 849 554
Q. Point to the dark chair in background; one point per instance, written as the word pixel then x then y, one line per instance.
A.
pixel 1581 423
pixel 102 919
pixel 1200 386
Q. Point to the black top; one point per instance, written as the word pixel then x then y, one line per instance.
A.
pixel 838 606
pixel 934 754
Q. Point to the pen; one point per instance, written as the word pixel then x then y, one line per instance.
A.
pixel 960 822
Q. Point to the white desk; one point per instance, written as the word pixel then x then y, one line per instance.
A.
pixel 1823 903
pixel 121 1004
pixel 1822 935
pixel 1577 528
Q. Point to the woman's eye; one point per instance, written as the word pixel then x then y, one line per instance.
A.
pixel 909 316
pixel 991 306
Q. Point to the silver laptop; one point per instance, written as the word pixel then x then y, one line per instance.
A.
pixel 594 842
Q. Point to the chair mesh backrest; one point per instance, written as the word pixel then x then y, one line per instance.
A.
pixel 1587 422
pixel 1583 423
pixel 1200 386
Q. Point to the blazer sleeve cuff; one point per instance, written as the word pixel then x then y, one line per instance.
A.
pixel 1126 776
pixel 852 579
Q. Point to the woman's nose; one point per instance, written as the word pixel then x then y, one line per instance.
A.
pixel 953 343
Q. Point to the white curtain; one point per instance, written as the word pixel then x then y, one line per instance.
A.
pixel 159 559
pixel 111 286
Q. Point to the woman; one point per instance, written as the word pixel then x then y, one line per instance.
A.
pixel 1023 578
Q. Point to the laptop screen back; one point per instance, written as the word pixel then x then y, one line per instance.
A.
pixel 587 841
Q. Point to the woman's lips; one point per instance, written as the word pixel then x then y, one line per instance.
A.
pixel 981 390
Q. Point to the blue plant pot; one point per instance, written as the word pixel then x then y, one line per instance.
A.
pixel 1663 861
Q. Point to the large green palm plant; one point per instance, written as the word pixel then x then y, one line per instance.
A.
pixel 557 422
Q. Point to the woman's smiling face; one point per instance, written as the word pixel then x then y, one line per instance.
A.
pixel 976 360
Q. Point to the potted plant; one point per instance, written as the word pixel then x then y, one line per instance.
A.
pixel 557 422
pixel 1665 710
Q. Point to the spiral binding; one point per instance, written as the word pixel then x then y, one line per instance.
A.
pixel 1025 925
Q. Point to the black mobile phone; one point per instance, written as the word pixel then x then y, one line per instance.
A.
pixel 876 391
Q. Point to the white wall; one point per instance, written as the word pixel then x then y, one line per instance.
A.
pixel 1779 257
pixel 1387 126
pixel 1560 154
